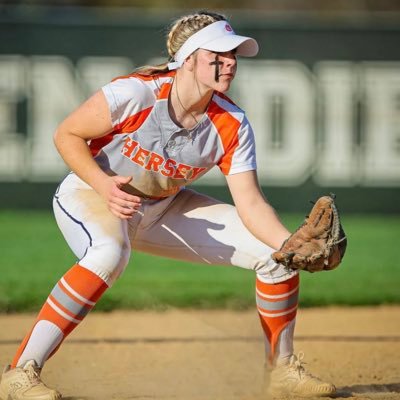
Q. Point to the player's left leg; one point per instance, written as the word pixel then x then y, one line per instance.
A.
pixel 200 229
pixel 197 228
pixel 285 374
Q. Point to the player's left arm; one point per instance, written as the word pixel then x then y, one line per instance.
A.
pixel 256 213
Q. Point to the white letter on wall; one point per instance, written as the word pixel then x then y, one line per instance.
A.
pixel 382 139
pixel 55 94
pixel 12 91
pixel 95 72
pixel 278 98
pixel 338 155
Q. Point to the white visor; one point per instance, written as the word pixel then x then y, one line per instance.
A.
pixel 218 36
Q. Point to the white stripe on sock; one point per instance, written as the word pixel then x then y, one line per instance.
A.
pixel 276 296
pixel 76 294
pixel 271 315
pixel 61 312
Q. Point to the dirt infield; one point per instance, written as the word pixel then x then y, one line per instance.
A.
pixel 215 355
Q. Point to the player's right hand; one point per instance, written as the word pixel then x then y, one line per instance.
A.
pixel 123 205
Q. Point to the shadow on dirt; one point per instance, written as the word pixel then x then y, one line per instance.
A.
pixel 76 398
pixel 350 391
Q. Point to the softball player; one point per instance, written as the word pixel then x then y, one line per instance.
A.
pixel 133 147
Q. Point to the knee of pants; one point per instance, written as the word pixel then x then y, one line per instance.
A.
pixel 271 272
pixel 107 260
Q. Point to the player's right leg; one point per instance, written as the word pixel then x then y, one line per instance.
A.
pixel 100 241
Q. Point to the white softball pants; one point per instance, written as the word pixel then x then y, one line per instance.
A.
pixel 188 226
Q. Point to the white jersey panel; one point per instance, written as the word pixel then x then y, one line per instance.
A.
pixel 127 97
pixel 244 156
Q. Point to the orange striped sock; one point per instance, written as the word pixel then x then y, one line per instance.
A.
pixel 68 303
pixel 277 307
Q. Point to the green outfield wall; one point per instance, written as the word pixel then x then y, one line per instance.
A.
pixel 323 97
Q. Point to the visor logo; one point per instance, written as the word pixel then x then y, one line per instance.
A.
pixel 228 28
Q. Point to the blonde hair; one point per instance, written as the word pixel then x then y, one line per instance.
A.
pixel 179 32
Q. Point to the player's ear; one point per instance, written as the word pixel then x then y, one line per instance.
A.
pixel 190 62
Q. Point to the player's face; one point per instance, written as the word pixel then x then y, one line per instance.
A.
pixel 216 70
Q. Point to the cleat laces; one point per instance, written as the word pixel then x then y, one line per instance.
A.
pixel 33 375
pixel 297 363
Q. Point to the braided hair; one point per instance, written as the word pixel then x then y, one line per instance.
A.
pixel 179 32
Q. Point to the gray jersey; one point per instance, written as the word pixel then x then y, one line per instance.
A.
pixel 161 156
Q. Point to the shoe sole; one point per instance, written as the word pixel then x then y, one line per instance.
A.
pixel 4 396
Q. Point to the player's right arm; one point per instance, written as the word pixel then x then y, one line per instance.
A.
pixel 89 121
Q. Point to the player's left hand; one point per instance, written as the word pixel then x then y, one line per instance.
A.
pixel 319 243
